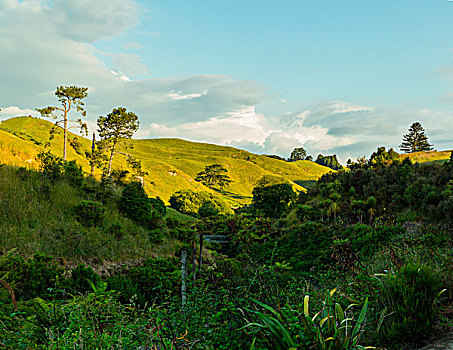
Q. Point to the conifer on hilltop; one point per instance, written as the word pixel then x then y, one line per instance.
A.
pixel 415 140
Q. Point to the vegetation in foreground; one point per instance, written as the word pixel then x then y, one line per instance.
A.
pixel 363 258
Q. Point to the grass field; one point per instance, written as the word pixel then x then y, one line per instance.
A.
pixel 172 164
pixel 425 157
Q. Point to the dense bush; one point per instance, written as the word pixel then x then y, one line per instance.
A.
pixel 410 300
pixel 90 213
pixel 207 209
pixel 84 279
pixel 135 204
pixel 189 202
pixel 158 205
pixel 31 277
pixel 155 281
pixel 272 196
pixel 56 168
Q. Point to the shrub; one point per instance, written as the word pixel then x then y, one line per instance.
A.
pixel 156 280
pixel 90 213
pixel 135 204
pixel 272 196
pixel 189 202
pixel 207 209
pixel 158 205
pixel 82 279
pixel 56 168
pixel 31 278
pixel 410 300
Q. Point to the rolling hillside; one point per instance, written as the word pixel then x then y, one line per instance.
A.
pixel 172 164
pixel 425 157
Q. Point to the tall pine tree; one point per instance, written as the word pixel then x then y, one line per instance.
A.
pixel 415 140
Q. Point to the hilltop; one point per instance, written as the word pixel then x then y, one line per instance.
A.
pixel 172 163
pixel 426 157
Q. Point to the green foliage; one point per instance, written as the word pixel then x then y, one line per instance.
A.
pixel 329 161
pixel 207 209
pixel 272 198
pixel 382 157
pixel 37 215
pixel 30 277
pixel 380 194
pixel 83 279
pixel 410 300
pixel 56 168
pixel 76 145
pixel 115 127
pixel 298 154
pixel 96 158
pixel 156 280
pixel 415 140
pixel 332 327
pixel 189 202
pixel 307 213
pixel 90 213
pixel 158 205
pixel 214 176
pixel 135 204
pixel 181 230
pixel 69 97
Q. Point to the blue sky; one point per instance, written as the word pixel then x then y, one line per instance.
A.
pixel 333 76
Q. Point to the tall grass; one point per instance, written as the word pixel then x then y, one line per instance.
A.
pixel 37 215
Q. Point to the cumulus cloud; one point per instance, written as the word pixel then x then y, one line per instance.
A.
pixel 14 111
pixel 54 43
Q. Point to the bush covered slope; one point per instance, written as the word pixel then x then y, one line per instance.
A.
pixel 39 214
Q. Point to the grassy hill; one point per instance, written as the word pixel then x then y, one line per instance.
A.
pixel 426 157
pixel 172 164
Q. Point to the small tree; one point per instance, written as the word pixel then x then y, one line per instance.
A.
pixel 69 97
pixel 135 204
pixel 298 154
pixel 415 140
pixel 115 127
pixel 272 196
pixel 214 176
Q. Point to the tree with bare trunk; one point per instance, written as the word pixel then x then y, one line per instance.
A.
pixel 70 97
pixel 115 127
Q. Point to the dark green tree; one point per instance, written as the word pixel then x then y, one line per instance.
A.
pixel 70 97
pixel 115 127
pixel 381 157
pixel 214 176
pixel 135 204
pixel 329 161
pixel 272 196
pixel 298 154
pixel 415 140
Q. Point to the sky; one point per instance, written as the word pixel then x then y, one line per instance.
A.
pixel 334 77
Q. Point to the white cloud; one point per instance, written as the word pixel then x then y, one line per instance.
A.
pixel 13 111
pixel 346 107
pixel 178 95
pixel 52 43
pixel 130 64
